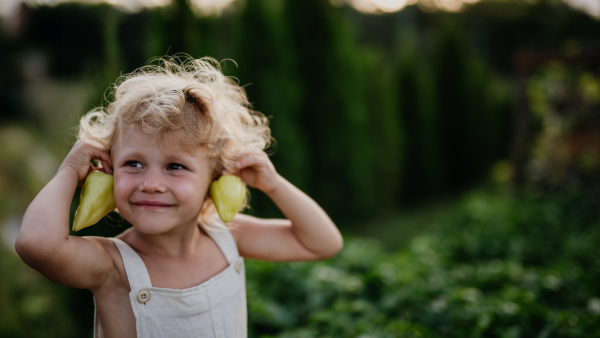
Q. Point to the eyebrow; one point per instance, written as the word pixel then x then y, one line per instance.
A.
pixel 168 158
pixel 131 154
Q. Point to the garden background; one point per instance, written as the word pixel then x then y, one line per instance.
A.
pixel 456 145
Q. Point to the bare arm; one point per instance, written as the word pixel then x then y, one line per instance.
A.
pixel 307 234
pixel 43 241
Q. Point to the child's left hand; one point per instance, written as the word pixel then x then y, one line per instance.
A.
pixel 257 170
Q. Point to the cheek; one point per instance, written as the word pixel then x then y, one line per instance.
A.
pixel 192 192
pixel 123 189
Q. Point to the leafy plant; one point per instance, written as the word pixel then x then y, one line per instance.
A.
pixel 502 267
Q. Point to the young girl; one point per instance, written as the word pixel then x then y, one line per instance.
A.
pixel 170 131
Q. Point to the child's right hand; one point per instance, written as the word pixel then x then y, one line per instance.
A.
pixel 44 242
pixel 80 157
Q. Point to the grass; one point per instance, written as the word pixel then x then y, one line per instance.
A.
pixel 395 230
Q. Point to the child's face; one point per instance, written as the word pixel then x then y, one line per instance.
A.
pixel 158 188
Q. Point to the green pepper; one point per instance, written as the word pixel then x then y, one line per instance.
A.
pixel 228 194
pixel 97 200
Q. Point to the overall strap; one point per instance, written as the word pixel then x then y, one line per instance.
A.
pixel 225 241
pixel 136 270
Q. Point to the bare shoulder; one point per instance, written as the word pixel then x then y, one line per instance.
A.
pixel 269 240
pixel 109 247
pixel 117 275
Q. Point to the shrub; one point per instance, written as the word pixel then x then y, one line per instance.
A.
pixel 501 267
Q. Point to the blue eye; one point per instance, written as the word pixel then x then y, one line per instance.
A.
pixel 175 166
pixel 134 164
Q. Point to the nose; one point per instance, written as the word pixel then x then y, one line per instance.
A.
pixel 153 181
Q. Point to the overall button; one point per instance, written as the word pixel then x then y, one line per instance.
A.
pixel 238 265
pixel 143 296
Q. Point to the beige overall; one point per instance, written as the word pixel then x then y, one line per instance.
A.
pixel 215 308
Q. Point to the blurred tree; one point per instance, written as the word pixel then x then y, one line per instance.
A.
pixel 267 59
pixel 70 35
pixel 385 127
pixel 11 80
pixel 319 72
pixel 468 111
pixel 334 115
pixel 364 109
pixel 422 172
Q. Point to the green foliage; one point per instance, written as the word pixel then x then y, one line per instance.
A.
pixel 523 267
pixel 360 122
pixel 365 109
pixel 32 306
pixel 564 100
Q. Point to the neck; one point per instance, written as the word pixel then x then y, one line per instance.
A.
pixel 176 243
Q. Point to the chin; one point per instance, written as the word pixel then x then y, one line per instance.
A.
pixel 150 225
pixel 152 229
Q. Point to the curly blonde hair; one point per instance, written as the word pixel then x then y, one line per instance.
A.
pixel 187 101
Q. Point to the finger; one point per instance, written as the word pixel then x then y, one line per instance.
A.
pixel 104 158
pixel 248 161
pixel 90 169
pixel 109 161
pixel 106 167
pixel 102 155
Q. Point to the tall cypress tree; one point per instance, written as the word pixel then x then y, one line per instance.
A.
pixel 472 108
pixel 334 115
pixel 386 128
pixel 451 66
pixel 267 60
pixel 419 111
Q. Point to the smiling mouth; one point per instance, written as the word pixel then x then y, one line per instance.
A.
pixel 152 205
